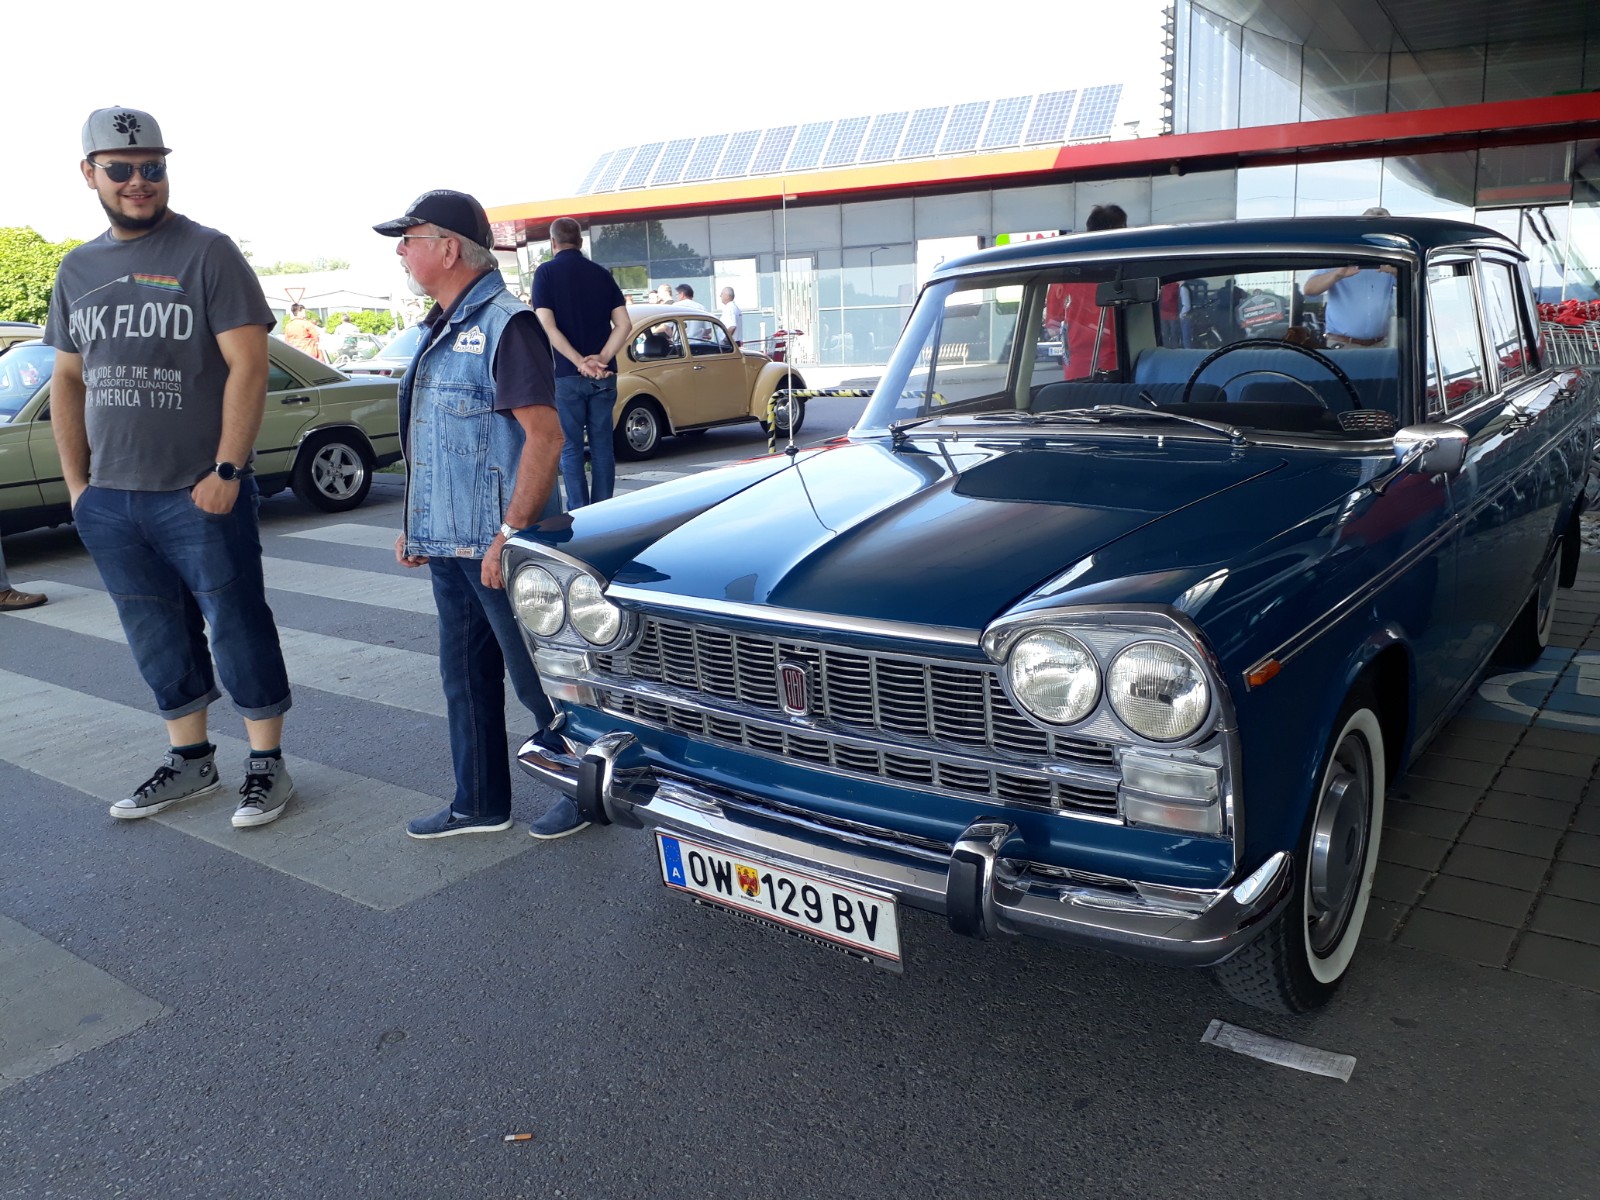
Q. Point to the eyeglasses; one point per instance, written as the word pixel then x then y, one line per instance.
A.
pixel 423 237
pixel 120 172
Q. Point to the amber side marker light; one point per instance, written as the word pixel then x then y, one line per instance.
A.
pixel 1263 673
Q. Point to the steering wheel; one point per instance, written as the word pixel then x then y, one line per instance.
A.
pixel 1255 343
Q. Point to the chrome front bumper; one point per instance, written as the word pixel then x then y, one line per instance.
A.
pixel 981 892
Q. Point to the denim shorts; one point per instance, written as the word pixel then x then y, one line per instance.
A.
pixel 173 569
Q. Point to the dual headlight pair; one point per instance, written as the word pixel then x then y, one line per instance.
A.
pixel 1157 690
pixel 544 606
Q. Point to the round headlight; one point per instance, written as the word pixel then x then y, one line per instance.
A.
pixel 593 615
pixel 1053 676
pixel 536 597
pixel 1158 691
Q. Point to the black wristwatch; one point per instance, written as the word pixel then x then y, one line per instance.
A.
pixel 226 471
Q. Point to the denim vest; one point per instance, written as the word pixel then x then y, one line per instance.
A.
pixel 461 455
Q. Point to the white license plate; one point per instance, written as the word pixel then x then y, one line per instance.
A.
pixel 810 906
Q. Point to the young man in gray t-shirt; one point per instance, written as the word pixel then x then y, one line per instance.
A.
pixel 160 329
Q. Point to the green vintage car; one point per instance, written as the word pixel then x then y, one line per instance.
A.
pixel 324 434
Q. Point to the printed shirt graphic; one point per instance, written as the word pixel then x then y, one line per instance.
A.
pixel 145 315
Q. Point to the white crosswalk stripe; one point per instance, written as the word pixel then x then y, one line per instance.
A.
pixel 408 593
pixel 405 679
pixel 342 833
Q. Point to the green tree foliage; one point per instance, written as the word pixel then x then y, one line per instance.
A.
pixel 28 272
pixel 373 322
pixel 289 267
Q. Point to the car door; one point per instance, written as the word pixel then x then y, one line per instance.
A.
pixel 1504 515
pixel 19 488
pixel 291 406
pixel 722 390
pixel 660 367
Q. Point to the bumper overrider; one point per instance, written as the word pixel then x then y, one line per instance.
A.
pixel 981 891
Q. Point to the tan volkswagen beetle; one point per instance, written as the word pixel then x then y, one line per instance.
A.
pixel 681 373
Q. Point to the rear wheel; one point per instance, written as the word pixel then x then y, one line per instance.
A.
pixel 332 471
pixel 1529 635
pixel 1299 961
pixel 639 430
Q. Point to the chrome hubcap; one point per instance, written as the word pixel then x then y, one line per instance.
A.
pixel 641 430
pixel 1339 845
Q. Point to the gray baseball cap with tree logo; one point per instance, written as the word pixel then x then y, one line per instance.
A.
pixel 121 129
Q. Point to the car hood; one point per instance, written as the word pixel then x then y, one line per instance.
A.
pixel 931 533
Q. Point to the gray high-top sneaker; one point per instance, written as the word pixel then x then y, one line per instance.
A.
pixel 177 778
pixel 267 788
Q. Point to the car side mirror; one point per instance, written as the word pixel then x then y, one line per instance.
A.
pixel 1433 448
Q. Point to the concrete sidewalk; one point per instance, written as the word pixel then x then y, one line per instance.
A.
pixel 1491 847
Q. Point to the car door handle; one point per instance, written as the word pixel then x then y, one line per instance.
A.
pixel 296 400
pixel 699 367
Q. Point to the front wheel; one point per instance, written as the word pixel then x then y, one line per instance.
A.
pixel 332 472
pixel 639 431
pixel 788 415
pixel 1299 960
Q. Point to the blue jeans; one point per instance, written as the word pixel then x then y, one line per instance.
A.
pixel 585 407
pixel 172 569
pixel 479 641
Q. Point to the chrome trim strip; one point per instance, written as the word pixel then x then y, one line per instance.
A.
pixel 1298 642
pixel 1409 254
pixel 943 635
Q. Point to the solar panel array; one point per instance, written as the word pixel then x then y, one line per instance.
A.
pixel 1048 118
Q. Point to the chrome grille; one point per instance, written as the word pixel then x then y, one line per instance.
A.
pixel 927 723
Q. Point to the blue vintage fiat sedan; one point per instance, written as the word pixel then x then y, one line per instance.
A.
pixel 1155 557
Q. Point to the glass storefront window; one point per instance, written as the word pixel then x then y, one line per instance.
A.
pixel 737 234
pixel 877 222
pixel 1337 84
pixel 1132 194
pixel 879 275
pixel 1213 85
pixel 1431 185
pixel 1528 70
pixel 1525 174
pixel 1266 191
pixel 1436 79
pixel 811 228
pixel 953 216
pixel 1269 82
pixel 680 237
pixel 1018 210
pixel 1338 188
pixel 1208 196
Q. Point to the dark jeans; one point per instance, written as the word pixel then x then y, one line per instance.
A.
pixel 479 641
pixel 585 407
pixel 173 569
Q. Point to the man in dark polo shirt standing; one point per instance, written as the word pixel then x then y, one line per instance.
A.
pixel 583 312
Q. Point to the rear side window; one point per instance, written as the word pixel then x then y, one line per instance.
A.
pixel 1509 340
pixel 1455 350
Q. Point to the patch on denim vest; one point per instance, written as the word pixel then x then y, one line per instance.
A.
pixel 469 341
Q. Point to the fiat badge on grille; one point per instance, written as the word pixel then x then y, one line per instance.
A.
pixel 794 684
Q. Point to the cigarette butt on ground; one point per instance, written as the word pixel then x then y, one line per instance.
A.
pixel 517 1137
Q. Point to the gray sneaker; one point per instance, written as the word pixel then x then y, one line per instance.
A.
pixel 177 778
pixel 266 790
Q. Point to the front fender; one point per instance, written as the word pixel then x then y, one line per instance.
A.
pixel 773 376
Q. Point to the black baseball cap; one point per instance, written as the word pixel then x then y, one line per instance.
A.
pixel 455 211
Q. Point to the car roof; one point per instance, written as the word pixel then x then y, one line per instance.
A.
pixel 1415 234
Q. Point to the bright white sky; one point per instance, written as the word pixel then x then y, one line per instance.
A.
pixel 295 128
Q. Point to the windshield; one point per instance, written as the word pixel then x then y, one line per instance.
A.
pixel 403 345
pixel 24 369
pixel 1302 342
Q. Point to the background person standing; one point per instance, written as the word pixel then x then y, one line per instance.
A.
pixel 583 312
pixel 1360 300
pixel 732 316
pixel 302 333
pixel 12 600
pixel 160 381
pixel 479 430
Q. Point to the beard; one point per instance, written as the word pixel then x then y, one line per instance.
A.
pixel 134 224
pixel 416 288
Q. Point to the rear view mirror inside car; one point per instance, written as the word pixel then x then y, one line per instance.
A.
pixel 1120 293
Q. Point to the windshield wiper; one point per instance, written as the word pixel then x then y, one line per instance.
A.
pixel 1103 412
pixel 899 429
